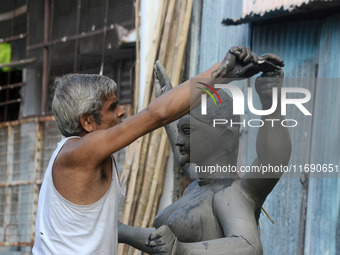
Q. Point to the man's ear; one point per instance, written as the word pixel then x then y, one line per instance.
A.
pixel 87 122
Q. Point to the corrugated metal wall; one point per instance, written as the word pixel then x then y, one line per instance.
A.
pixel 310 49
pixel 264 6
pixel 216 39
pixel 323 215
pixel 297 44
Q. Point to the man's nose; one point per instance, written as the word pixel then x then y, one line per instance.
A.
pixel 121 112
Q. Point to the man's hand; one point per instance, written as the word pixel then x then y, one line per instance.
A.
pixel 162 241
pixel 241 62
pixel 162 80
pixel 264 86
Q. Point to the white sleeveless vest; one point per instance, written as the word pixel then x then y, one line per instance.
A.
pixel 66 228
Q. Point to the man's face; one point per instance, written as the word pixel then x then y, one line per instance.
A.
pixel 111 113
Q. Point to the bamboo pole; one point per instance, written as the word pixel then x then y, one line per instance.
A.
pixel 155 138
pixel 176 68
pixel 170 51
pixel 137 70
pixel 149 172
pixel 125 174
pixel 155 179
pixel 132 183
pixel 139 182
pixel 129 201
pixel 151 154
pixel 160 185
pixel 168 24
pixel 152 158
pixel 154 51
pixel 157 173
pixel 142 148
pixel 180 44
pixel 135 166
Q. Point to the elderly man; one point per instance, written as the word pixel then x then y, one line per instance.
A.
pixel 79 197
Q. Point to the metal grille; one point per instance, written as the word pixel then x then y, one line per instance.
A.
pixel 79 37
pixel 25 148
pixel 64 37
pixel 12 49
pixel 19 214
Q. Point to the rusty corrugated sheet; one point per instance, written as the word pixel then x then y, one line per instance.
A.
pixel 258 10
pixel 264 6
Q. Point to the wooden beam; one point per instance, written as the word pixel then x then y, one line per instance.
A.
pixel 12 14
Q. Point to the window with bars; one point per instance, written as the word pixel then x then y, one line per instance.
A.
pixel 40 40
pixel 79 37
pixel 13 16
pixel 25 149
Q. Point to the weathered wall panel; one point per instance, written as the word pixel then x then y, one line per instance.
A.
pixel 20 175
pixel 310 49
pixel 264 6
pixel 296 43
pixel 284 203
pixel 216 39
pixel 323 210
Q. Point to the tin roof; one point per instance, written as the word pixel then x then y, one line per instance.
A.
pixel 257 10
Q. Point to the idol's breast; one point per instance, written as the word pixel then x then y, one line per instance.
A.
pixel 191 218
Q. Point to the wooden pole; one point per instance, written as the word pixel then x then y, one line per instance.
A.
pixel 168 25
pixel 137 70
pixel 149 172
pixel 181 43
pixel 160 185
pixel 155 179
pixel 146 179
pixel 154 51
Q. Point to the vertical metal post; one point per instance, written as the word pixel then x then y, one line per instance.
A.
pixel 8 172
pixel 104 37
pixel 305 180
pixel 27 29
pixel 45 57
pixel 76 46
pixel 8 74
pixel 37 171
pixel 119 80
pixel 24 72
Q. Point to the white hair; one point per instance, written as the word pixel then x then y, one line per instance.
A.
pixel 79 94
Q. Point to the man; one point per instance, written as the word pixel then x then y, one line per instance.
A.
pixel 79 197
